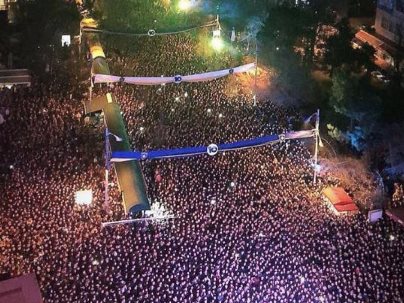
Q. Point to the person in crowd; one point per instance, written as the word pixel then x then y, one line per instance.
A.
pixel 249 227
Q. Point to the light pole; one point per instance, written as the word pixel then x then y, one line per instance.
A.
pixel 317 133
pixel 108 163
pixel 256 71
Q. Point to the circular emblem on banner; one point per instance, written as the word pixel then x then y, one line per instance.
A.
pixel 178 79
pixel 231 71
pixel 212 149
pixel 143 156
pixel 151 32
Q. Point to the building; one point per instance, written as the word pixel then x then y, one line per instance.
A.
pixel 388 38
pixel 390 20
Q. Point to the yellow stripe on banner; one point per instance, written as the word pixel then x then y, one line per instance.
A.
pixel 96 51
pixel 109 98
pixel 89 22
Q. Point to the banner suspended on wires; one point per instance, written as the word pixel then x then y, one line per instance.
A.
pixel 101 78
pixel 211 149
pixel 151 32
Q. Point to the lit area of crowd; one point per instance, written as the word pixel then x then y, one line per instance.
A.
pixel 249 226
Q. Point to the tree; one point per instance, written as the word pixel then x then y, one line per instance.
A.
pixel 37 30
pixel 339 50
pixel 288 38
pixel 354 99
pixel 140 16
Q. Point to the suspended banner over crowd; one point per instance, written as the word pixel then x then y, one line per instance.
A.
pixel 101 78
pixel 212 149
pixel 92 27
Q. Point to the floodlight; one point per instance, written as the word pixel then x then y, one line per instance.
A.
pixel 217 43
pixel 66 40
pixel 83 197
pixel 184 5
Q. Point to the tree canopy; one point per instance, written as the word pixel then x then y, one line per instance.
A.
pixel 140 15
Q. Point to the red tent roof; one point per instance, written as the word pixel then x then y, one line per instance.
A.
pixel 346 207
pixel 337 195
pixel 341 201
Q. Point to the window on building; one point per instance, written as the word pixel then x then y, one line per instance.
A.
pixel 385 23
pixel 399 34
pixel 400 5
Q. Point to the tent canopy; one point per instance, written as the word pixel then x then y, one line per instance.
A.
pixel 340 200
pixel 337 196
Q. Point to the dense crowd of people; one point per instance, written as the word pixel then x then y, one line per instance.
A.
pixel 249 225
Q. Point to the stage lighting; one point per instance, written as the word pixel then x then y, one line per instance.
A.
pixel 217 44
pixel 184 5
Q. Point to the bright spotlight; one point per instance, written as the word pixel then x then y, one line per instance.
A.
pixel 83 197
pixel 216 33
pixel 217 44
pixel 184 5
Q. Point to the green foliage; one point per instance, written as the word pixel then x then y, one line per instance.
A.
pixel 141 15
pixel 288 38
pixel 39 24
pixel 41 21
pixel 338 47
pixel 339 51
pixel 354 99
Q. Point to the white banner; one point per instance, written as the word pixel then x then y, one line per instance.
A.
pixel 300 134
pixel 100 78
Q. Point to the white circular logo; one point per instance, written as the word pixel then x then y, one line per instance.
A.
pixel 212 149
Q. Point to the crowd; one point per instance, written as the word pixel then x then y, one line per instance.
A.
pixel 249 225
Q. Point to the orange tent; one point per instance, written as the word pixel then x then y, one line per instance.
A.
pixel 339 198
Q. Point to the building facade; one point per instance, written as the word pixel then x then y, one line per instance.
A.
pixel 390 20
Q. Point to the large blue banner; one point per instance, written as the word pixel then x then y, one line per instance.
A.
pixel 212 149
